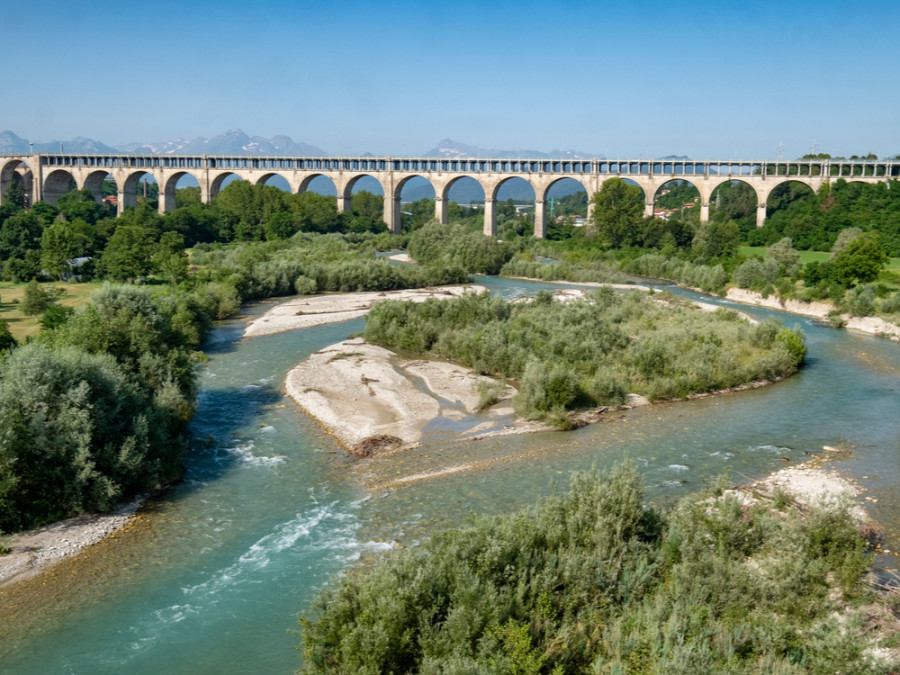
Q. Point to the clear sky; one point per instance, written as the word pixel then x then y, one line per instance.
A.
pixel 705 79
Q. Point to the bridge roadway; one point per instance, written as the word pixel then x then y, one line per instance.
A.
pixel 48 176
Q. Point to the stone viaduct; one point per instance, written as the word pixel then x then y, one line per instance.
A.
pixel 48 176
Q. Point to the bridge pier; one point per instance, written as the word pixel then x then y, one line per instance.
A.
pixel 343 203
pixel 540 219
pixel 490 217
pixel 648 209
pixel 393 213
pixel 440 210
pixel 760 214
pixel 704 213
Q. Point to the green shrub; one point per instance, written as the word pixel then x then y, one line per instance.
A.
pixel 598 581
pixel 589 352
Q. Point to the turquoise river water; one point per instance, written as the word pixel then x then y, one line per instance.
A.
pixel 213 574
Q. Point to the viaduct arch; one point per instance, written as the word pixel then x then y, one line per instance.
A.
pixel 48 176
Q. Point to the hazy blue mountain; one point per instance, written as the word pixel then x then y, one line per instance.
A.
pixel 232 142
pixel 677 158
pixel 451 148
pixel 11 144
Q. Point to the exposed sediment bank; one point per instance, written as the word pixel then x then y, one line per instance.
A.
pixel 872 325
pixel 357 391
pixel 34 551
pixel 317 310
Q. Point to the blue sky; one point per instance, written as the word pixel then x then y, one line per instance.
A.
pixel 705 79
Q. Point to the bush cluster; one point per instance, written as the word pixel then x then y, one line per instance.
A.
pixel 437 244
pixel 95 411
pixel 592 351
pixel 597 581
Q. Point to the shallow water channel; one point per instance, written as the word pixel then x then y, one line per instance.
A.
pixel 211 577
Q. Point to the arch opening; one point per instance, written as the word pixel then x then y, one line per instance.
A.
pixel 677 199
pixel 181 189
pixel 735 200
pixel 364 201
pixel 517 208
pixel 103 187
pixel 566 207
pixel 275 180
pixel 221 181
pixel 56 184
pixel 320 184
pixel 16 184
pixel 140 187
pixel 463 202
pixel 791 210
pixel 417 198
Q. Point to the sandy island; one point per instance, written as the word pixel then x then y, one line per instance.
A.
pixel 358 391
pixel 316 310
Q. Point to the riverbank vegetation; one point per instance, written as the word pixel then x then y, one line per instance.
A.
pixel 95 408
pixel 855 224
pixel 598 581
pixel 590 352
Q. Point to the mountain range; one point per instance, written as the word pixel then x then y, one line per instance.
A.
pixel 236 142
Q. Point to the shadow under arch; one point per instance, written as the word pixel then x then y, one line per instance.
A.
pixel 56 184
pixel 17 171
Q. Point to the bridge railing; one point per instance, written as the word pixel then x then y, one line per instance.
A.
pixel 522 166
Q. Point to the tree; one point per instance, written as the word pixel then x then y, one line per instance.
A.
pixel 861 261
pixel 7 341
pixel 617 212
pixel 317 213
pixel 128 254
pixel 170 260
pixel 15 195
pixel 19 233
pixel 367 205
pixel 75 435
pixel 36 299
pixel 61 243
pixel 843 240
pixel 282 225
pixel 717 241
pixel 79 204
pixel 786 256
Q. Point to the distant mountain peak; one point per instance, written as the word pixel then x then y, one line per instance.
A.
pixel 231 142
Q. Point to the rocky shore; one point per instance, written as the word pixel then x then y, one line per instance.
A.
pixel 872 325
pixel 33 551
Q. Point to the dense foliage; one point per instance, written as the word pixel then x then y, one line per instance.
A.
pixel 435 243
pixel 596 581
pixel 592 351
pixel 814 220
pixel 95 411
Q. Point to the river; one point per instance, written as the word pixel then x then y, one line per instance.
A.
pixel 212 576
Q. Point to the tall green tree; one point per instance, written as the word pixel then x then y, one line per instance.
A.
pixel 128 255
pixel 861 261
pixel 60 243
pixel 617 212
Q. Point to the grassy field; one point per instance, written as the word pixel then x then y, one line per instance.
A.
pixel 22 326
pixel 809 256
